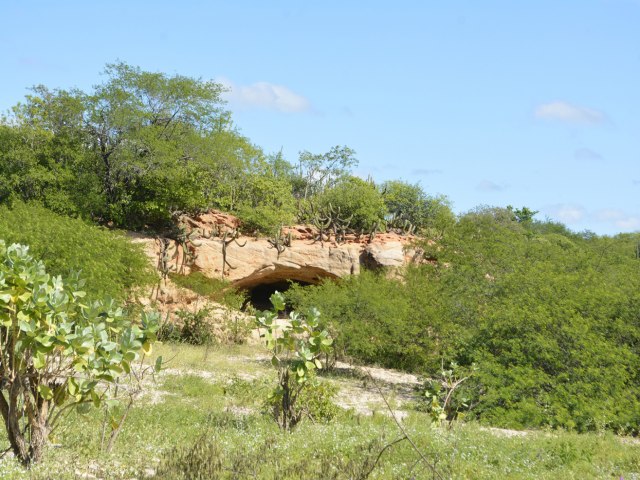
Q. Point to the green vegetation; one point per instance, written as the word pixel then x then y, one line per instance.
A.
pixel 512 322
pixel 200 417
pixel 296 346
pixel 57 350
pixel 549 317
pixel 142 148
pixel 215 289
pixel 108 261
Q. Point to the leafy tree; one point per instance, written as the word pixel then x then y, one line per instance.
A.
pixel 56 349
pixel 141 137
pixel 409 203
pixel 265 198
pixel 296 346
pixel 355 198
pixel 34 165
pixel 522 215
pixel 317 172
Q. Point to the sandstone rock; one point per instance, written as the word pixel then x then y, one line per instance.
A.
pixel 247 262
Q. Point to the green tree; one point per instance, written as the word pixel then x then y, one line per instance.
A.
pixel 36 165
pixel 355 198
pixel 56 349
pixel 265 198
pixel 522 215
pixel 141 136
pixel 409 203
pixel 317 172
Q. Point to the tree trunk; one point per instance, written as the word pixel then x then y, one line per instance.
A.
pixel 39 435
pixel 27 449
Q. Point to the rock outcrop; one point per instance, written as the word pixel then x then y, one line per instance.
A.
pixel 247 262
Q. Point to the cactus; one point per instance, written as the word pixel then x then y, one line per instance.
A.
pixel 373 232
pixel 279 242
pixel 165 256
pixel 232 237
pixel 408 228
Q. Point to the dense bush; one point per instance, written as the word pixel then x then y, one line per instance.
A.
pixel 374 319
pixel 355 198
pixel 195 327
pixel 549 317
pixel 409 203
pixel 109 262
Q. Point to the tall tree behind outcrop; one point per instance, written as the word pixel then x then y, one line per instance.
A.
pixel 151 144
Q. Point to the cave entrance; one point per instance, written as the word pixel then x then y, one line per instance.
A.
pixel 258 296
pixel 261 286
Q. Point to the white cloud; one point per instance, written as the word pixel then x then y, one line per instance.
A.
pixel 618 218
pixel 565 213
pixel 489 186
pixel 609 215
pixel 566 112
pixel 628 223
pixel 613 220
pixel 265 95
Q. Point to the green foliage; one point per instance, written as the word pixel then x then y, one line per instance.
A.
pixel 110 262
pixel 134 151
pixel 356 199
pixel 522 215
pixel 56 349
pixel 296 346
pixel 447 397
pixel 550 319
pixel 315 402
pixel 218 290
pixel 551 323
pixel 377 320
pixel 35 165
pixel 318 172
pixel 195 327
pixel 265 199
pixel 409 203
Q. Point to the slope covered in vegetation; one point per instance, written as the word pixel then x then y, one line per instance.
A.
pixel 546 322
pixel 541 322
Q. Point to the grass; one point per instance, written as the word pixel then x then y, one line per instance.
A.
pixel 202 419
pixel 217 290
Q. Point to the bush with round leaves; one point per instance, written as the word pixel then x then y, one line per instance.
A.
pixel 57 349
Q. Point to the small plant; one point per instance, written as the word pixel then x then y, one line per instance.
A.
pixel 196 329
pixel 440 397
pixel 296 345
pixel 315 402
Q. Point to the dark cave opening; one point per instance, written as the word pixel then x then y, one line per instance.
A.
pixel 258 296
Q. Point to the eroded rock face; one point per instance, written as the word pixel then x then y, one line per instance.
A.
pixel 248 262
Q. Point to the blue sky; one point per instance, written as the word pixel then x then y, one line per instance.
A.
pixel 532 103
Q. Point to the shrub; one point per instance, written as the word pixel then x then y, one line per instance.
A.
pixel 196 328
pixel 111 264
pixel 56 349
pixel 295 346
pixel 355 198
